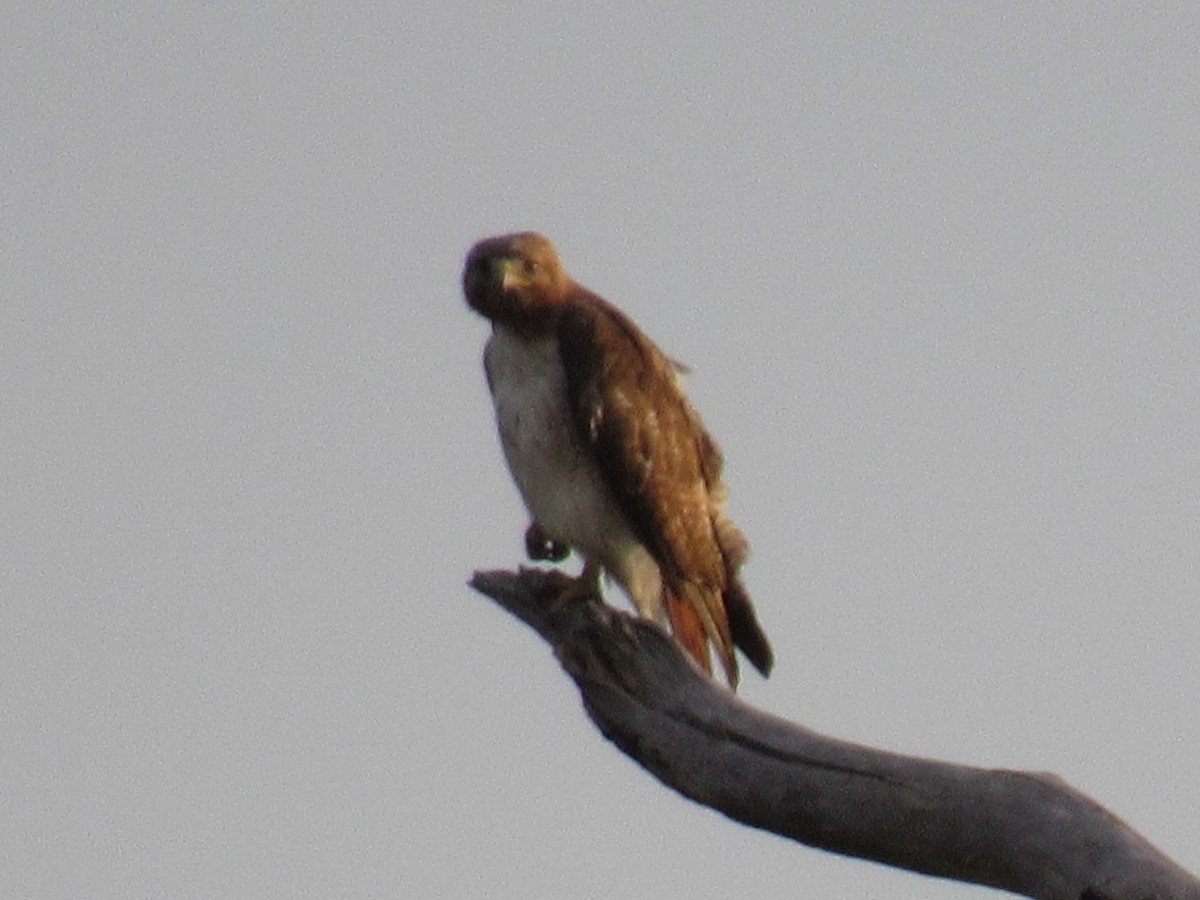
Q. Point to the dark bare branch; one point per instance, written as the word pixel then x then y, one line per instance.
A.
pixel 1030 833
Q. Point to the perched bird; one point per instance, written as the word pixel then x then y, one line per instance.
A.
pixel 607 452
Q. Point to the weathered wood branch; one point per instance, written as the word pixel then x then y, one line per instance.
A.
pixel 1027 832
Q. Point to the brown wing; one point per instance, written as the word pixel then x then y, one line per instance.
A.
pixel 665 472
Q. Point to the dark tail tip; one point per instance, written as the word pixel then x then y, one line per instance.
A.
pixel 748 635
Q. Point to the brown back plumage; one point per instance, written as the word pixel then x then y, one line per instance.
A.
pixel 665 471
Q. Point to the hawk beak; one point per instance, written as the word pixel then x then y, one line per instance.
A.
pixel 507 272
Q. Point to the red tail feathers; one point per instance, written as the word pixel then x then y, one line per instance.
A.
pixel 688 629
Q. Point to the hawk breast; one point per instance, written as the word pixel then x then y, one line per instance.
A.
pixel 557 476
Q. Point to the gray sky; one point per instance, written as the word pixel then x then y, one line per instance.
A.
pixel 934 271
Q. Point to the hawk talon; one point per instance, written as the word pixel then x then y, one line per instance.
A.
pixel 584 587
pixel 540 546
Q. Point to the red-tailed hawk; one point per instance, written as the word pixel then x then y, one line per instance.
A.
pixel 607 452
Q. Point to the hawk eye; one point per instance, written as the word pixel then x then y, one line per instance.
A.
pixel 532 266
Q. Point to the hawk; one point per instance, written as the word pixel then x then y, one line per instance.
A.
pixel 607 453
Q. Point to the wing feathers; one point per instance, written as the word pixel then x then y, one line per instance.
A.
pixel 664 469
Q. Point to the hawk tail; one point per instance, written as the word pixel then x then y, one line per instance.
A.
pixel 697 619
pixel 747 634
pixel 688 629
pixel 744 629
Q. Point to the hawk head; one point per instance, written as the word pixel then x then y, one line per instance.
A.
pixel 516 279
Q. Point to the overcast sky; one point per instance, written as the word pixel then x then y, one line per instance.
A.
pixel 934 268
